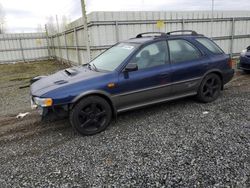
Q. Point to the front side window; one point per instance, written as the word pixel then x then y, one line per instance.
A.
pixel 182 50
pixel 113 57
pixel 152 55
pixel 210 45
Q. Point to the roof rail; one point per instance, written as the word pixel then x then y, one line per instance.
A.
pixel 159 34
pixel 182 31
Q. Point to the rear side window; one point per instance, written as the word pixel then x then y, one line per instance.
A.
pixel 181 50
pixel 210 45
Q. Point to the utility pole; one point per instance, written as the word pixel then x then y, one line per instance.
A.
pixel 57 24
pixel 1 28
pixel 212 19
pixel 85 25
pixel 58 39
pixel 212 7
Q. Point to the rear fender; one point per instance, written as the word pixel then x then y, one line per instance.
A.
pixel 216 71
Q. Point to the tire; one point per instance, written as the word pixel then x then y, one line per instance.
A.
pixel 91 115
pixel 210 88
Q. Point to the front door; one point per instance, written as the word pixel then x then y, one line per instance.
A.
pixel 150 82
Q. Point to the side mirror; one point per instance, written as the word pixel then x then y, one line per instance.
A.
pixel 131 67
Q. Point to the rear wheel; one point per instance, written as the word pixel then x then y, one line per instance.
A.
pixel 210 88
pixel 91 115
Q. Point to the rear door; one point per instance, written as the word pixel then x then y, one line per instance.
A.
pixel 150 82
pixel 188 65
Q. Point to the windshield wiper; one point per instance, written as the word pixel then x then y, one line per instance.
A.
pixel 89 66
pixel 92 65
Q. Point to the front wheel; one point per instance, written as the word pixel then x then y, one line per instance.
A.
pixel 91 115
pixel 210 88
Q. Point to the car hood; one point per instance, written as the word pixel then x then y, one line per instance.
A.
pixel 62 78
pixel 247 54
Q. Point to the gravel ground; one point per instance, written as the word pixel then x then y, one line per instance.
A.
pixel 174 144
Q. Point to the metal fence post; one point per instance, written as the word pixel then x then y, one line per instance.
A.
pixel 232 37
pixel 53 46
pixel 66 46
pixel 117 31
pixel 21 46
pixel 76 46
pixel 59 46
pixel 183 24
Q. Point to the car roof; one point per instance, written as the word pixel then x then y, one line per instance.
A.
pixel 140 39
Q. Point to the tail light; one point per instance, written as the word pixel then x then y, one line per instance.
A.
pixel 230 63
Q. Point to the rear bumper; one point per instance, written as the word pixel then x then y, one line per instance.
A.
pixel 228 75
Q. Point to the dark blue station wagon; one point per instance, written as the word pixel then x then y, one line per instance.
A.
pixel 245 60
pixel 148 69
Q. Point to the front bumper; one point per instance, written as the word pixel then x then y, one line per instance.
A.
pixel 244 63
pixel 43 111
pixel 243 66
pixel 52 112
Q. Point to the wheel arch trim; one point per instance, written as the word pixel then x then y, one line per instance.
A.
pixel 215 71
pixel 100 93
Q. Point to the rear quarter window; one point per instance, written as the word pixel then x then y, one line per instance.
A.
pixel 210 45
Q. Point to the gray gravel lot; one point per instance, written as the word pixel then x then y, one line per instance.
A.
pixel 167 145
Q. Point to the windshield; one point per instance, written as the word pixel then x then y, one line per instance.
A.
pixel 113 57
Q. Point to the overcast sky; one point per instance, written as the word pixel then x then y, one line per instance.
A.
pixel 26 15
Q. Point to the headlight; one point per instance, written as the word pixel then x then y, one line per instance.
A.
pixel 43 102
pixel 243 52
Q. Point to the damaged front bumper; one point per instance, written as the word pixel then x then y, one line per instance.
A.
pixel 49 111
pixel 43 111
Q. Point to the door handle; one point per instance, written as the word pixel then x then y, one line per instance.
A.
pixel 164 75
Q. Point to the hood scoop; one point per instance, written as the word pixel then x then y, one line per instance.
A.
pixel 59 82
pixel 70 72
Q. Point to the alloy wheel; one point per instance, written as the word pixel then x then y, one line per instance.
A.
pixel 92 117
pixel 211 87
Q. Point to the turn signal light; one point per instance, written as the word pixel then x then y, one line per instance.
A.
pixel 48 102
pixel 111 85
